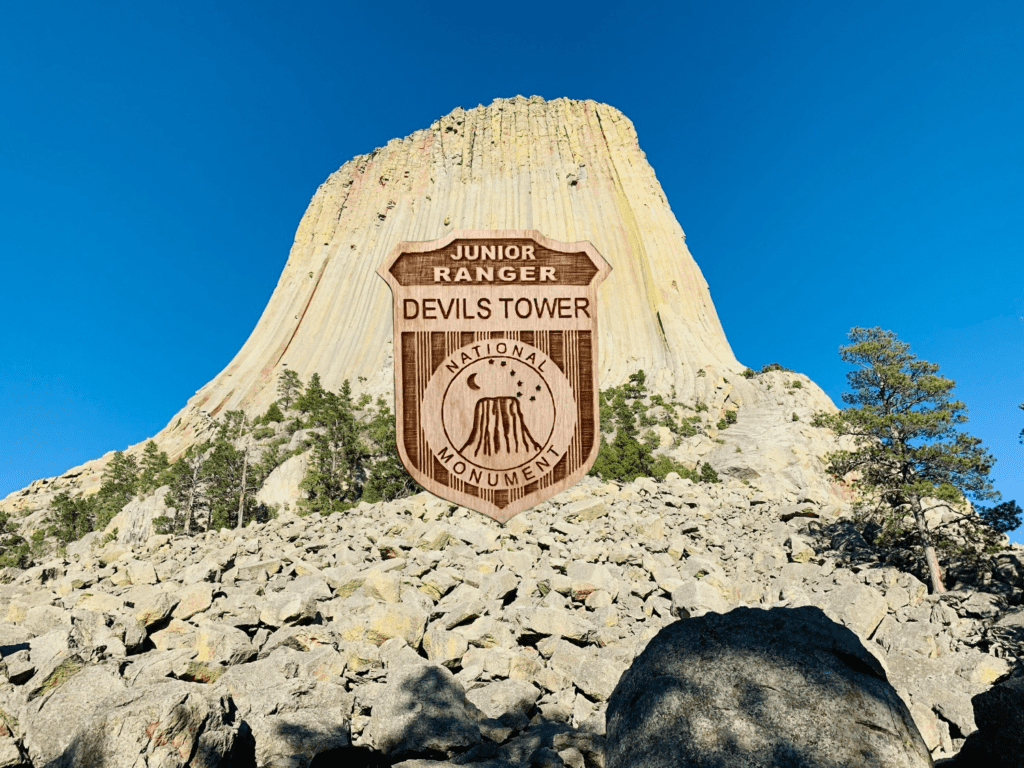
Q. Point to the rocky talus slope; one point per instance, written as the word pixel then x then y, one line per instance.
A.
pixel 418 634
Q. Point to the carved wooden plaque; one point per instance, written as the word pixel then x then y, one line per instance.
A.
pixel 496 365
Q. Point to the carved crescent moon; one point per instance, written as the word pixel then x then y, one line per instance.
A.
pixel 472 384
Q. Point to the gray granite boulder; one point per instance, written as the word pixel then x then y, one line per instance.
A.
pixel 295 704
pixel 423 709
pixel 765 688
pixel 62 700
pixel 172 724
pixel 497 699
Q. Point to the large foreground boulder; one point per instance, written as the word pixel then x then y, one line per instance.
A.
pixel 780 687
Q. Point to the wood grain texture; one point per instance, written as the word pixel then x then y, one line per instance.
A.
pixel 496 383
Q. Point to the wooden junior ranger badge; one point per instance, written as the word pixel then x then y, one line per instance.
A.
pixel 496 365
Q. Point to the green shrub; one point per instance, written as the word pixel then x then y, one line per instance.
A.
pixel 795 417
pixel 637 385
pixel 164 524
pixel 749 373
pixel 773 367
pixel 796 384
pixel 708 474
pixel 700 406
pixel 272 415
pixel 663 465
pixel 624 458
pixel 727 419
pixel 624 453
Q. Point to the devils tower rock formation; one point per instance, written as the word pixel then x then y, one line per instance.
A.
pixel 572 170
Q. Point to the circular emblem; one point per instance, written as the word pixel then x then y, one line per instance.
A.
pixel 502 410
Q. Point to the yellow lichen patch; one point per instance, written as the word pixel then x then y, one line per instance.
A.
pixel 64 672
pixel 200 672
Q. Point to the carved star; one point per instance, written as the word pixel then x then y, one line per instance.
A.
pixel 519 394
pixel 512 374
pixel 533 397
pixel 538 387
pixel 490 362
pixel 519 383
pixel 503 363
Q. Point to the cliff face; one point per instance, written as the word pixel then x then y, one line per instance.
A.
pixel 570 169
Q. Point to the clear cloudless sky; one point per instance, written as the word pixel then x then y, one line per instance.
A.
pixel 833 164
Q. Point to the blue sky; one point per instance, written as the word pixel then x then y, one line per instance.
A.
pixel 832 165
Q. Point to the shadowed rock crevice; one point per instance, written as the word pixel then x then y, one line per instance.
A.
pixel 999 740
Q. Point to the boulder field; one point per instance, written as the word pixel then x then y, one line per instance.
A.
pixel 416 633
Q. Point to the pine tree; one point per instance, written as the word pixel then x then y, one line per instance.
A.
pixel 154 466
pixel 232 426
pixel 71 518
pixel 910 456
pixel 333 480
pixel 224 467
pixel 15 551
pixel 313 401
pixel 387 479
pixel 288 387
pixel 188 491
pixel 272 415
pixel 270 459
pixel 629 455
pixel 708 474
pixel 227 471
pixel 119 483
pixel 636 386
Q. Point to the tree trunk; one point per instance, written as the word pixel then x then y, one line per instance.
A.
pixel 241 496
pixel 931 560
pixel 188 511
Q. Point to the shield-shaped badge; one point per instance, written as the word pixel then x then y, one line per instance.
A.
pixel 496 365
